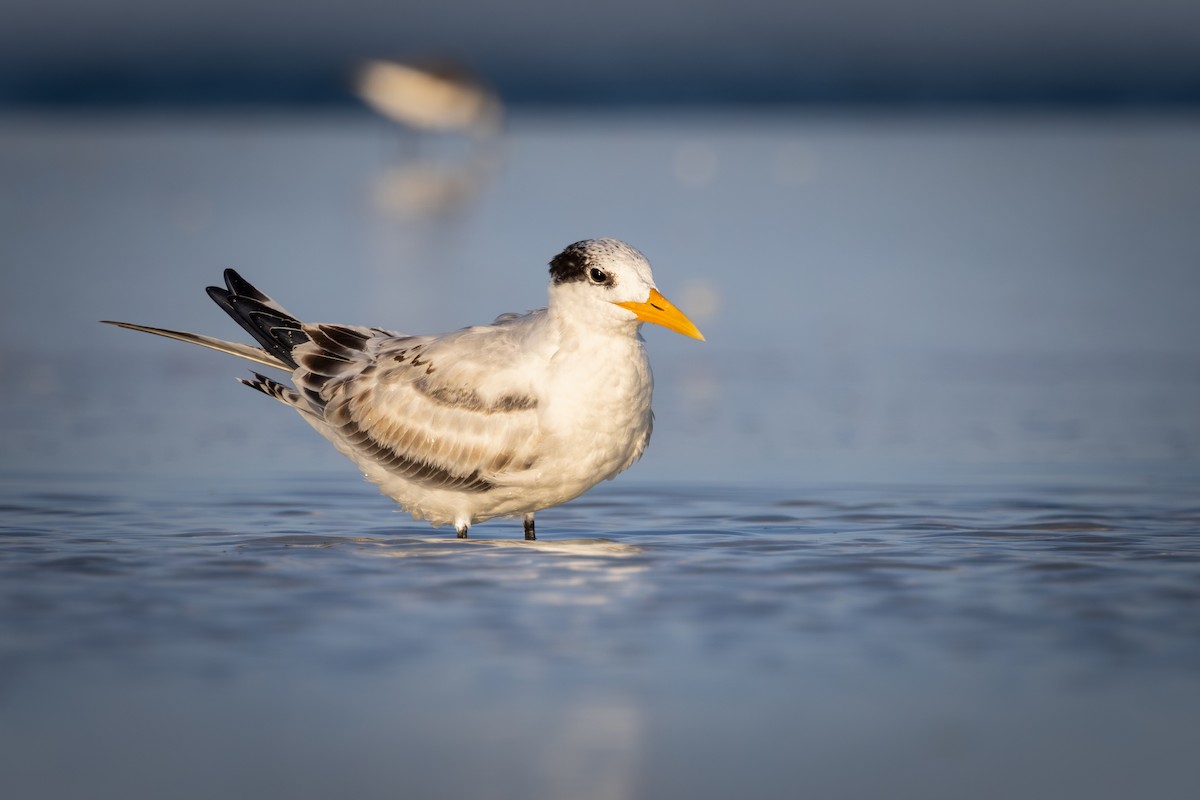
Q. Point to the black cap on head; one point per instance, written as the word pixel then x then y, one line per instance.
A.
pixel 572 263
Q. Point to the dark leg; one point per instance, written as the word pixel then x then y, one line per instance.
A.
pixel 461 528
pixel 529 535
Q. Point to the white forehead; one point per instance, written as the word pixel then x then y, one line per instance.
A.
pixel 621 256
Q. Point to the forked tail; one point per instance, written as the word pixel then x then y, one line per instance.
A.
pixel 275 329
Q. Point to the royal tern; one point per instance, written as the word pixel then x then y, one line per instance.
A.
pixel 488 421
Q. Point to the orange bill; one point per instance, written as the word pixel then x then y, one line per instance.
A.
pixel 660 311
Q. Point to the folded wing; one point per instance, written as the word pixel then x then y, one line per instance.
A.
pixel 455 412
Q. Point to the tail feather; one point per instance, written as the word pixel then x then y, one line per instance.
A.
pixel 275 329
pixel 232 348
pixel 272 388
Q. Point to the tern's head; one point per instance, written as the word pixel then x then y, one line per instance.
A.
pixel 611 282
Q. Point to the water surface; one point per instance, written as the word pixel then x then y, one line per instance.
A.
pixel 293 637
pixel 919 520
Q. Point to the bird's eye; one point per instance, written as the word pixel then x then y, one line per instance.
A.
pixel 597 275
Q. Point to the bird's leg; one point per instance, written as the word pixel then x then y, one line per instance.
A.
pixel 461 528
pixel 529 535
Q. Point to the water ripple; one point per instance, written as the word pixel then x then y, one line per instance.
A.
pixel 622 573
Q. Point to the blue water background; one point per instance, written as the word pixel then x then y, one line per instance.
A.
pixel 919 519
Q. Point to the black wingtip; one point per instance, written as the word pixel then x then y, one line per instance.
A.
pixel 223 298
pixel 276 330
pixel 242 287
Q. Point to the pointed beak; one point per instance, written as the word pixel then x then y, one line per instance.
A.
pixel 658 309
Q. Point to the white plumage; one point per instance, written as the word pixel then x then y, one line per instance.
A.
pixel 493 420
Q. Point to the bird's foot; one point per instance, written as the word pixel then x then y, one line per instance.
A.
pixel 461 529
pixel 529 534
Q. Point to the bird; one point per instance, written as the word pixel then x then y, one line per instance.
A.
pixel 499 420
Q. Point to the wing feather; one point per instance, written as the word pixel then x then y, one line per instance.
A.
pixel 455 412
